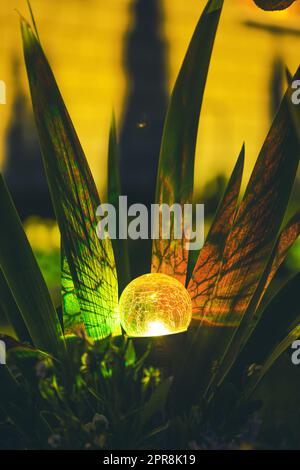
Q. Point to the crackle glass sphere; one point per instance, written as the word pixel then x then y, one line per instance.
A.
pixel 155 305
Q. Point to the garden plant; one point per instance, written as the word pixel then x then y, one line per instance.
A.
pixel 74 379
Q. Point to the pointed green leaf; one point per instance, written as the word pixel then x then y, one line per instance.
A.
pixel 294 108
pixel 9 311
pixel 251 241
pixel 286 239
pixel 74 197
pixel 258 220
pixel 176 163
pixel 204 340
pixel 205 274
pixel 33 20
pixel 21 349
pixel 25 280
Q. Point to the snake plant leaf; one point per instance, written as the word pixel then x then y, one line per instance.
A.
pixel 120 246
pixel 252 315
pixel 288 76
pixel 21 349
pixel 250 244
pixel 285 241
pixel 26 282
pixel 294 107
pixel 205 274
pixel 274 333
pixel 176 163
pixel 201 289
pixel 74 196
pixel 33 20
pixel 9 311
pixel 254 233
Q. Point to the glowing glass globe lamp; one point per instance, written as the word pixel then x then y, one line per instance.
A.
pixel 155 305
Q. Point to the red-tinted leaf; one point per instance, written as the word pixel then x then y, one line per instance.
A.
pixel 207 268
pixel 258 220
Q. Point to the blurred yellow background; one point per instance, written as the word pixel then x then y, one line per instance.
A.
pixel 84 40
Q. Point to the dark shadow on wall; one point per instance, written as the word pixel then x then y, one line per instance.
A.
pixel 143 117
pixel 146 104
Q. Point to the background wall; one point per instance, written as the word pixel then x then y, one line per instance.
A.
pixel 86 41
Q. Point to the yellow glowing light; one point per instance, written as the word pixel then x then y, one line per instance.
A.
pixel 157 328
pixel 155 305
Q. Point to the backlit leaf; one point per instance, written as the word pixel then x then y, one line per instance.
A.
pixel 255 229
pixel 22 350
pixel 74 197
pixel 284 242
pixel 250 244
pixel 26 282
pixel 176 164
pixel 206 271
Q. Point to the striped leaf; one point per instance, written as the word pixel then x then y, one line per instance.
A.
pixel 26 282
pixel 207 268
pixel 285 240
pixel 176 163
pixel 255 229
pixel 74 196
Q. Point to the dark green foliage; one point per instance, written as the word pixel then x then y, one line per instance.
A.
pixel 114 400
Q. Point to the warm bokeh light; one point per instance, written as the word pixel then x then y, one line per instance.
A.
pixel 155 305
pixel 43 235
